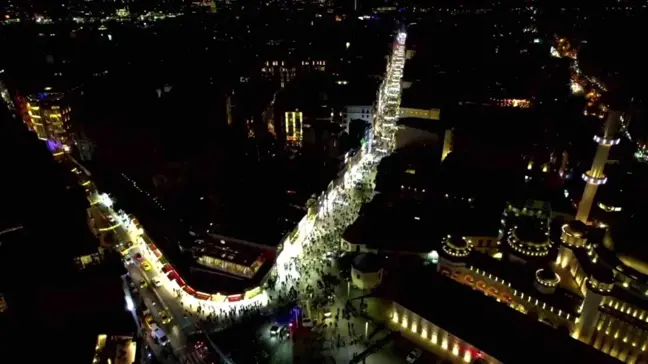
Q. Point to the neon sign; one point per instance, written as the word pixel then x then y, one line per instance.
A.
pixel 478 284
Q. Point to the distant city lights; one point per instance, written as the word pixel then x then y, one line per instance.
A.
pixel 576 88
pixel 554 52
pixel 641 154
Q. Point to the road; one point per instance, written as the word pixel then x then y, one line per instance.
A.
pixel 157 300
pixel 303 262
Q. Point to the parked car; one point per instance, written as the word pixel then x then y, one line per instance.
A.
pixel 306 322
pixel 275 330
pixel 414 355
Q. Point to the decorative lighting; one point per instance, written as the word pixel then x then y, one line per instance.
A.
pixel 594 180
pixel 604 141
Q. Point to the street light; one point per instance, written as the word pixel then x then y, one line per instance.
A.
pixel 130 306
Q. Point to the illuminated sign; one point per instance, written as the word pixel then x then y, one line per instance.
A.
pixel 234 298
pixel 478 284
pixel 252 293
pixel 218 297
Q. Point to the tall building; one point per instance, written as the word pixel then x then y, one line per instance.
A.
pixel 48 115
pixel 286 70
pixel 595 176
pixel 294 121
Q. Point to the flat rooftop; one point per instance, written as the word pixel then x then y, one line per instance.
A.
pixel 522 276
pixel 115 349
pixel 417 226
pixel 175 238
pixel 240 254
pixel 498 330
pixel 421 95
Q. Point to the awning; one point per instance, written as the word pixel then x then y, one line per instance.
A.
pixel 235 297
pixel 157 254
pixel 172 275
pixel 167 268
pixel 180 281
pixel 203 296
pixel 152 247
pixel 189 290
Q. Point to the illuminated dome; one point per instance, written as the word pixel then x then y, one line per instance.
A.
pixel 529 240
pixel 546 280
pixel 456 246
pixel 574 234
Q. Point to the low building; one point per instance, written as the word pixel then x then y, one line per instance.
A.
pixel 357 112
pixel 117 349
pixel 366 271
pixel 417 132
pixel 411 227
pixel 462 325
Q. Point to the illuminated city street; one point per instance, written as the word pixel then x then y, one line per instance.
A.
pixel 210 182
pixel 301 262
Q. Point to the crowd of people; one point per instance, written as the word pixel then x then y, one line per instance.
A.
pixel 304 276
pixel 305 272
pixel 219 317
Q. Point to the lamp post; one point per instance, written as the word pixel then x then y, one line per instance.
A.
pixel 366 330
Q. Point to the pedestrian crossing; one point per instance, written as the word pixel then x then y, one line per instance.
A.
pixel 191 357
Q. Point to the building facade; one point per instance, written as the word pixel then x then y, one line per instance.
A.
pixel 48 115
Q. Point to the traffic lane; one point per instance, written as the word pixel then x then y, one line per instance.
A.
pixel 400 348
pixel 162 354
pixel 173 329
pixel 392 353
pixel 152 305
pixel 174 332
pixel 280 350
pixel 168 297
pixel 155 306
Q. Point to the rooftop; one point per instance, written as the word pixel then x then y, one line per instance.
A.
pixel 528 229
pixel 417 226
pixel 433 126
pixel 503 333
pixel 174 238
pixel 240 254
pixel 420 95
pixel 522 277
pixel 367 262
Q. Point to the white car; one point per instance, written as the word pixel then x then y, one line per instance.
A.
pixel 413 356
pixel 306 322
pixel 157 282
pixel 275 330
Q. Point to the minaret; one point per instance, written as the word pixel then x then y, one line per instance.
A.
pixel 448 140
pixel 595 177
pixel 563 163
pixel 228 109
